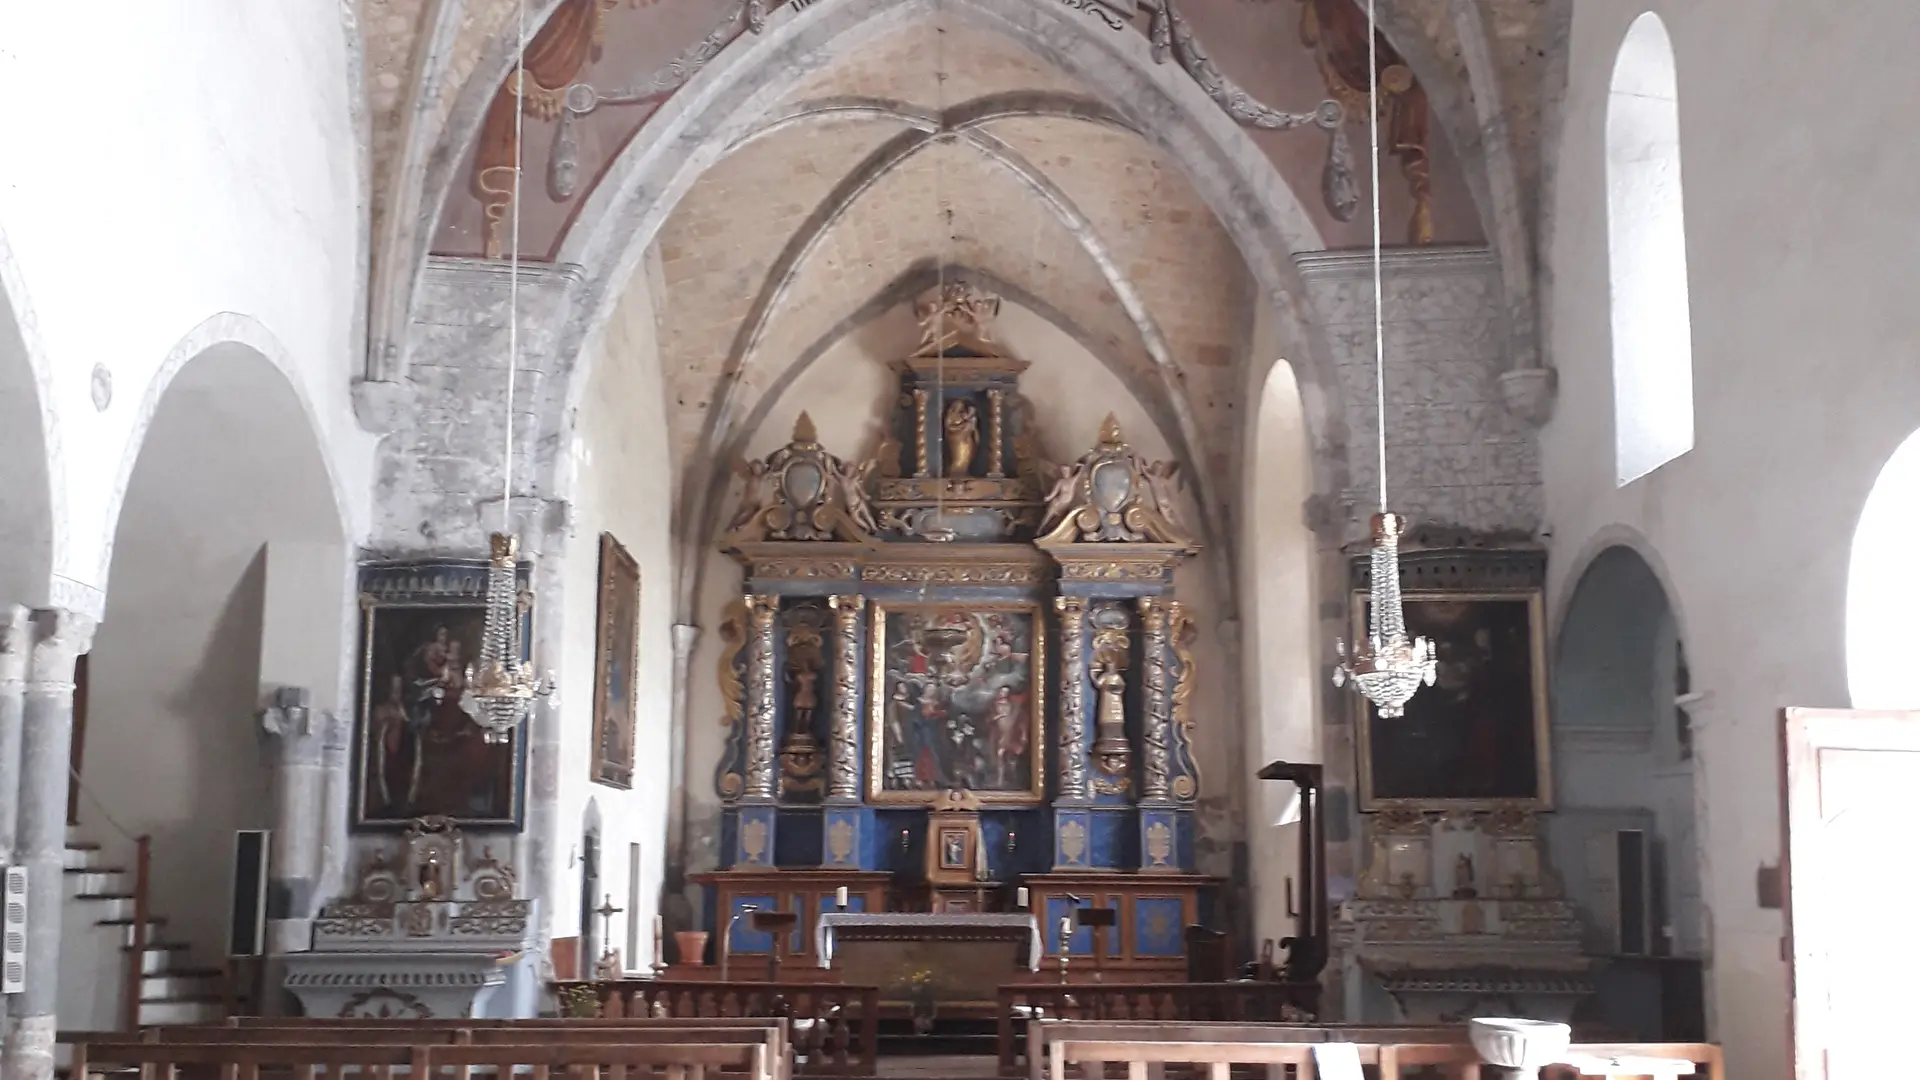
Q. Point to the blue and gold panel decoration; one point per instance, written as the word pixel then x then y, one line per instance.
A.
pixel 753 838
pixel 1159 926
pixel 845 837
pixel 1072 838
pixel 745 938
pixel 1166 839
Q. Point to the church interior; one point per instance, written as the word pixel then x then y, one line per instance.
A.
pixel 957 538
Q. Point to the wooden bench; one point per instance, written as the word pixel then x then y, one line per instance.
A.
pixel 780 1043
pixel 835 1028
pixel 1705 1057
pixel 308 1061
pixel 1041 1032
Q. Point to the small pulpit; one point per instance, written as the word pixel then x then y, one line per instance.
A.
pixel 431 930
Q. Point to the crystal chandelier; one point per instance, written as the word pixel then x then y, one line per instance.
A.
pixel 1388 667
pixel 501 689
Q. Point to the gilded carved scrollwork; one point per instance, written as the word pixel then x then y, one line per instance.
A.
pixel 760 676
pixel 1073 698
pixel 729 779
pixel 843 759
pixel 1114 495
pixel 1153 674
pixel 801 492
pixel 1181 632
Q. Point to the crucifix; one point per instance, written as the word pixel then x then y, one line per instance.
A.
pixel 603 969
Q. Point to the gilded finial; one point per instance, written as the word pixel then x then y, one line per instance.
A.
pixel 1110 437
pixel 803 432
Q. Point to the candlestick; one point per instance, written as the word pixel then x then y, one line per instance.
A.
pixel 1020 897
pixel 840 896
pixel 659 936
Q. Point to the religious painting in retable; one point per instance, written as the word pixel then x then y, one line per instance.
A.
pixel 956 702
pixel 616 654
pixel 1478 736
pixel 419 752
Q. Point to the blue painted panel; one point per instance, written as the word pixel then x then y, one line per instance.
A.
pixel 1072 839
pixel 855 902
pixel 1113 838
pixel 1081 944
pixel 745 938
pixel 755 841
pixel 1166 839
pixel 1159 926
pixel 844 840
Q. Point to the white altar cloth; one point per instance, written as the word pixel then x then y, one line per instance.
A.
pixel 824 929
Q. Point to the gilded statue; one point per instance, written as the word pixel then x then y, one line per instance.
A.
pixel 1113 710
pixel 963 437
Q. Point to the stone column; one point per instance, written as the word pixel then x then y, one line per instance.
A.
pixel 1154 698
pixel 685 637
pixel 1073 698
pixel 843 756
pixel 761 777
pixel 14 646
pixel 298 740
pixel 58 638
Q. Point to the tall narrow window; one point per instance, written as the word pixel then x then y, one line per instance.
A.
pixel 1647 257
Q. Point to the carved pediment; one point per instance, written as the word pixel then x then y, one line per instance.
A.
pixel 801 492
pixel 1113 495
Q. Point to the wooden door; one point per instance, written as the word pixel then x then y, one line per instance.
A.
pixel 1852 880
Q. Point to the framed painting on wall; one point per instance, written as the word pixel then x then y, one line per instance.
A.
pixel 616 665
pixel 418 752
pixel 1477 738
pixel 958 702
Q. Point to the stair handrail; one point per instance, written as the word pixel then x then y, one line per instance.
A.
pixel 136 948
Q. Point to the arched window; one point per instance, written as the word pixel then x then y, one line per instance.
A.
pixel 1647 257
pixel 1880 591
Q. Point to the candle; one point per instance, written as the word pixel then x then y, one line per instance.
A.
pixel 840 896
pixel 659 932
pixel 1020 897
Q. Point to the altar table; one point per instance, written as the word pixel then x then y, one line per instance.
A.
pixel 904 926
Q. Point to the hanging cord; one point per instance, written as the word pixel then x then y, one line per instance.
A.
pixel 944 215
pixel 513 263
pixel 1379 321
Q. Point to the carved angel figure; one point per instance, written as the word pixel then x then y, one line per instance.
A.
pixel 754 497
pixel 1062 496
pixel 852 481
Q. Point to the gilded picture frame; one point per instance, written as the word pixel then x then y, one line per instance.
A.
pixel 1479 738
pixel 975 667
pixel 416 753
pixel 616 664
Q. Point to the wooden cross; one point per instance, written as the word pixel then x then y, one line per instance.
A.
pixel 607 911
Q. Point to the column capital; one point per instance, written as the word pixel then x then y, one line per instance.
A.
pixel 59 638
pixel 854 602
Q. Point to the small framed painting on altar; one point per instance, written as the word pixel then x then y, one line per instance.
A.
pixel 1477 738
pixel 958 702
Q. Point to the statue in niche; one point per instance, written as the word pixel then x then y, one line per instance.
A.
pixel 1463 887
pixel 963 437
pixel 801 757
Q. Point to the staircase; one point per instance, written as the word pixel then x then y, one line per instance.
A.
pixel 97 929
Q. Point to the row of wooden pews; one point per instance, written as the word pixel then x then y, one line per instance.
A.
pixel 1147 1050
pixel 310 1049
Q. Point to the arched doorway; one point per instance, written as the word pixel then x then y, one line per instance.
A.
pixel 1281 660
pixel 1880 590
pixel 1624 836
pixel 229 576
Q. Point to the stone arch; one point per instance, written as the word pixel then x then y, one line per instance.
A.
pixel 230 573
pixel 1879 590
pixel 725 102
pixel 31 518
pixel 1603 540
pixel 1623 736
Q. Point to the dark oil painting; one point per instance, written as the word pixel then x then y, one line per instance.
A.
pixel 1477 734
pixel 420 752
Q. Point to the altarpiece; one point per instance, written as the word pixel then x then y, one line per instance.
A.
pixel 956 621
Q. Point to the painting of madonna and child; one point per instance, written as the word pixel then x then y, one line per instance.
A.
pixel 420 753
pixel 955 703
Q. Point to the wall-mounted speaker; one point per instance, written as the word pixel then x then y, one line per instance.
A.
pixel 13 933
pixel 247 932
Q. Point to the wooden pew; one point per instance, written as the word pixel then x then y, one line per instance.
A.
pixel 835 1028
pixel 307 1061
pixel 1146 1059
pixel 1706 1057
pixel 781 1044
pixel 1455 1061
pixel 1041 1032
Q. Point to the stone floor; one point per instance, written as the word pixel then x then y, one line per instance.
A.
pixel 937 1066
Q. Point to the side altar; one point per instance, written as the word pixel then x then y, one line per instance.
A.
pixel 961 675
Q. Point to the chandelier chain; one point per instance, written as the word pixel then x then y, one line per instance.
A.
pixel 513 259
pixel 1379 319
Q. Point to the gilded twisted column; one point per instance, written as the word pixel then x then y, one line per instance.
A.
pixel 996 438
pixel 843 757
pixel 1073 698
pixel 760 675
pixel 1153 684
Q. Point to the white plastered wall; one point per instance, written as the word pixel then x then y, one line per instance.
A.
pixel 165 163
pixel 848 391
pixel 1800 233
pixel 1277 585
pixel 621 484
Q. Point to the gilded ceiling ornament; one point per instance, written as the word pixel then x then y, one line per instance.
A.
pixel 956 316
